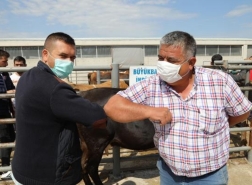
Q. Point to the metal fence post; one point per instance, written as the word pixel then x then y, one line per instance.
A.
pixel 98 76
pixel 115 75
pixel 116 149
pixel 250 143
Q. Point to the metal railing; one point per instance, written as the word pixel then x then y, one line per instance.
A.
pixel 115 84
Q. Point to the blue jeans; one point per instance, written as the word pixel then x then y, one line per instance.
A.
pixel 167 177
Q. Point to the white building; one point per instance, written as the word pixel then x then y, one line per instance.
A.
pixel 126 51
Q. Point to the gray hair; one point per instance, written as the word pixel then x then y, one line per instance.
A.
pixel 182 39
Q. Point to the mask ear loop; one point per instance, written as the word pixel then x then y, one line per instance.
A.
pixel 188 70
pixel 50 54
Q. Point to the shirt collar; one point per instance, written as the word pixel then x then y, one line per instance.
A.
pixel 41 65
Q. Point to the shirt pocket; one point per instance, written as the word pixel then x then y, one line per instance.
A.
pixel 210 121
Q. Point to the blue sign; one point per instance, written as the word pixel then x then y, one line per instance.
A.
pixel 138 73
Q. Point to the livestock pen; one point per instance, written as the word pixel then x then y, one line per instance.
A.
pixel 116 151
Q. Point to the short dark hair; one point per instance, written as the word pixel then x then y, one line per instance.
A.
pixel 58 36
pixel 4 53
pixel 215 57
pixel 20 58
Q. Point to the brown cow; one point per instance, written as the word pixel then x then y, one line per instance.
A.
pixel 85 87
pixel 92 77
pixel 136 135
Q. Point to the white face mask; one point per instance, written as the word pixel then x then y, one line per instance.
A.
pixel 169 72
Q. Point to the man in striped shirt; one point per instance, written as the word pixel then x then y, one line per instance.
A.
pixel 191 109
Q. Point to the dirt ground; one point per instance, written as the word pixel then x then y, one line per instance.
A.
pixel 240 173
pixel 144 171
pixel 239 169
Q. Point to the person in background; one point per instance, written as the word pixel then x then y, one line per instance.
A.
pixel 215 57
pixel 47 147
pixel 7 133
pixel 250 71
pixel 191 108
pixel 239 76
pixel 250 92
pixel 19 61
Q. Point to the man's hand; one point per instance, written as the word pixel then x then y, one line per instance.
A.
pixel 160 114
pixel 11 91
pixel 100 124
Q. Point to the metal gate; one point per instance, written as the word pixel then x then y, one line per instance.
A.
pixel 115 83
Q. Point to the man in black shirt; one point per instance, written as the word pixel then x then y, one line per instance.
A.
pixel 47 109
pixel 7 133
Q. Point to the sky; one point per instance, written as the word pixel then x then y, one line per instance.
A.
pixel 125 18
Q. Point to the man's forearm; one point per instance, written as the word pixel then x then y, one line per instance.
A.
pixel 234 120
pixel 122 110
